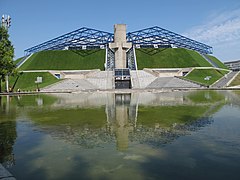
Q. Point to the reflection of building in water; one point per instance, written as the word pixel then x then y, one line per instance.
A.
pixel 122 110
pixel 83 100
pixel 119 122
pixel 121 115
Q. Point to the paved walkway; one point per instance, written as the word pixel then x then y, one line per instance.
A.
pixel 223 82
pixel 5 175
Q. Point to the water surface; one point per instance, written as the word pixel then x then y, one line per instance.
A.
pixel 176 135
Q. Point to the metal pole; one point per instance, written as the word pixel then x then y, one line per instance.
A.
pixel 7 84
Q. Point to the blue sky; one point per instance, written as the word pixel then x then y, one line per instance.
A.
pixel 214 22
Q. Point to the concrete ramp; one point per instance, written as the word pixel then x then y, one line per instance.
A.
pixel 24 59
pixel 209 60
pixel 171 82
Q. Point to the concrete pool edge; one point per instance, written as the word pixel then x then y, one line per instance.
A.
pixel 117 91
pixel 5 174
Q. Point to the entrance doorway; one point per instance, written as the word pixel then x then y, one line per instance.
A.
pixel 122 79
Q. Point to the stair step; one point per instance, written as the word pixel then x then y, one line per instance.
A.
pixel 171 82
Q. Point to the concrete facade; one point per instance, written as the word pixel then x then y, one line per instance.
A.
pixel 233 65
pixel 120 46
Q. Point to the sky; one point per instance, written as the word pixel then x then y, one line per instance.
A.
pixel 213 22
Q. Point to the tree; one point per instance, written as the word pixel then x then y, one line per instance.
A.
pixel 7 66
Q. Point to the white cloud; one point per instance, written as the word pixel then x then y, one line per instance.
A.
pixel 220 31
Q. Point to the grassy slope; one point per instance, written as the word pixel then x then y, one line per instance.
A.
pixel 26 81
pixel 236 81
pixel 198 75
pixel 65 60
pixel 218 62
pixel 18 60
pixel 169 58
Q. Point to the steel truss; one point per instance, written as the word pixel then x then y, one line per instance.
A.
pixel 110 64
pixel 159 36
pixel 83 38
pixel 131 64
pixel 86 38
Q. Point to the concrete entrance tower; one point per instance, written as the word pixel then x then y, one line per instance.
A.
pixel 120 46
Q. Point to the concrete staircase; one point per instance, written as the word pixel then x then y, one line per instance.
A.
pixel 141 79
pixel 171 82
pixel 70 85
pixel 88 80
pixel 225 80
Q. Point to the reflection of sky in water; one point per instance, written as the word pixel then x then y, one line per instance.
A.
pixel 129 142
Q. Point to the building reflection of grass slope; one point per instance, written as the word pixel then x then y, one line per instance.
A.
pixel 8 132
pixel 147 118
pixel 91 120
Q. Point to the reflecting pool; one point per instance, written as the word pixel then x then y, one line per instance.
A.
pixel 171 135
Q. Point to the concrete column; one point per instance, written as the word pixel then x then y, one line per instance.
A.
pixel 7 83
pixel 120 46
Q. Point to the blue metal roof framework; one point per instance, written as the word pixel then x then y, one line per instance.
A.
pixel 160 36
pixel 75 39
pixel 91 38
